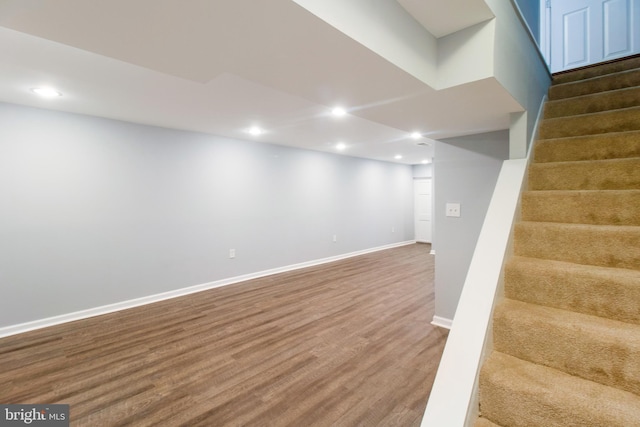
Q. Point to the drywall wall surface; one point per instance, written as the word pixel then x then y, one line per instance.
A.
pixel 386 28
pixel 423 170
pixel 530 11
pixel 97 211
pixel 518 64
pixel 466 170
pixel 466 55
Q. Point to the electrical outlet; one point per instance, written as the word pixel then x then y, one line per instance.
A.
pixel 232 253
pixel 453 210
pixel 335 237
pixel 393 229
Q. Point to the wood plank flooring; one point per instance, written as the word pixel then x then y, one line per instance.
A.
pixel 341 344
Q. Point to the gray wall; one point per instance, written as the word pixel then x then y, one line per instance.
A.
pixel 466 170
pixel 423 171
pixel 530 10
pixel 518 64
pixel 97 211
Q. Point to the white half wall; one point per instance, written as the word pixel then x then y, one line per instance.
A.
pixel 452 397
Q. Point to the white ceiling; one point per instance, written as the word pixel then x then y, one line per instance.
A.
pixel 221 66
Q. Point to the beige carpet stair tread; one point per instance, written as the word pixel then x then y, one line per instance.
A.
pixel 622 79
pixel 615 145
pixel 590 347
pixel 612 174
pixel 566 334
pixel 595 71
pixel 600 291
pixel 621 120
pixel 483 422
pixel 593 103
pixel 614 246
pixel 516 393
pixel 602 207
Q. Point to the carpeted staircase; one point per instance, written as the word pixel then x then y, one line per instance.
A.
pixel 566 348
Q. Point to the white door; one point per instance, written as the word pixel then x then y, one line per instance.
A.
pixel 422 203
pixel 585 32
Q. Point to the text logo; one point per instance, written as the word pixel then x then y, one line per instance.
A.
pixel 34 415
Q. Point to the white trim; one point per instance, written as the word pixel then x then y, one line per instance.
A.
pixel 441 322
pixel 545 31
pixel 454 388
pixel 433 252
pixel 453 399
pixel 137 302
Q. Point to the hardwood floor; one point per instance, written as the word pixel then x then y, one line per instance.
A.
pixel 341 344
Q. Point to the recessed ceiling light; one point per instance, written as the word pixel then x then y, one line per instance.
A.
pixel 46 92
pixel 255 131
pixel 398 157
pixel 416 135
pixel 340 146
pixel 425 161
pixel 338 111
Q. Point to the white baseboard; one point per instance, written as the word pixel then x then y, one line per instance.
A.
pixel 441 322
pixel 137 302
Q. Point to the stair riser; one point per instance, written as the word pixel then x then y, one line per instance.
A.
pixel 597 147
pixel 591 124
pixel 617 247
pixel 596 175
pixel 598 292
pixel 571 320
pixel 593 103
pixel 600 70
pixel 586 207
pixel 615 81
pixel 519 394
pixel 561 340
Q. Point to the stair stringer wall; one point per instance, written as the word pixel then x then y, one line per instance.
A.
pixel 453 401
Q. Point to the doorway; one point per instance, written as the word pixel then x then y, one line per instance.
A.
pixel 422 209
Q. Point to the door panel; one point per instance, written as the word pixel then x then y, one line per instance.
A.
pixel 575 32
pixel 617 28
pixel 585 32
